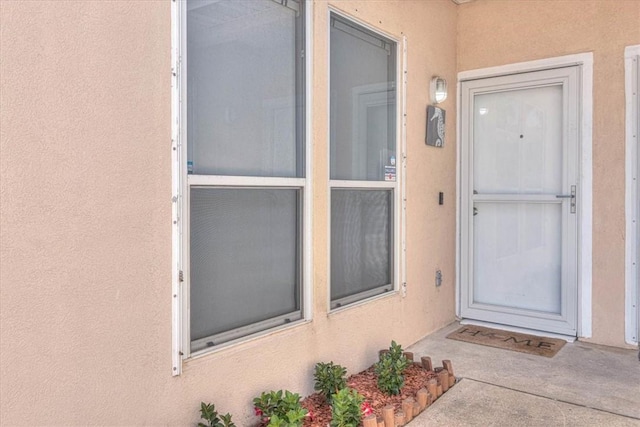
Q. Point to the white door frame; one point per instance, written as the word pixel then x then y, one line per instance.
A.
pixel 632 190
pixel 585 61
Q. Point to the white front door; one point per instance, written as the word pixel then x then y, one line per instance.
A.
pixel 519 217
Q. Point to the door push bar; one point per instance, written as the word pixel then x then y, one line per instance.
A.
pixel 571 196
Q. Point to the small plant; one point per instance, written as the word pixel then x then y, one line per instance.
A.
pixel 280 409
pixel 346 408
pixel 208 413
pixel 291 419
pixel 390 369
pixel 330 379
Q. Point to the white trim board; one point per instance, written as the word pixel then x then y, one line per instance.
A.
pixel 585 196
pixel 176 202
pixel 632 116
pixel 458 265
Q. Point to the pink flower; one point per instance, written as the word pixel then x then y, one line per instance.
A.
pixel 258 411
pixel 366 409
pixel 309 414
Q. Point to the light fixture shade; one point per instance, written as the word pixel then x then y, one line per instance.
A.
pixel 438 89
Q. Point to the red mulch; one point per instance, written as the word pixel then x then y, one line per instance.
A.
pixel 366 383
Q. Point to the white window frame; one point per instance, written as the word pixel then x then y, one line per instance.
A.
pixel 632 190
pixel 398 245
pixel 181 182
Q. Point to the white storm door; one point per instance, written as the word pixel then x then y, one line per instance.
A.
pixel 518 204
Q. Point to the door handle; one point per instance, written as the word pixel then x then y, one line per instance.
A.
pixel 571 196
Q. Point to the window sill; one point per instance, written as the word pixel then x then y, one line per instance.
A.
pixel 234 344
pixel 366 301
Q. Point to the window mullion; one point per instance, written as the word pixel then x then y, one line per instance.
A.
pixel 244 181
pixel 362 184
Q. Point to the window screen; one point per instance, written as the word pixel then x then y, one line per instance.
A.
pixel 363 182
pixel 244 120
pixel 363 110
pixel 361 241
pixel 244 257
pixel 244 88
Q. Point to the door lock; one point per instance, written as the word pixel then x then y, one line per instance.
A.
pixel 571 196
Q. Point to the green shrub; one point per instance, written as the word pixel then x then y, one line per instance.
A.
pixel 330 379
pixel 208 413
pixel 390 369
pixel 280 409
pixel 291 419
pixel 346 408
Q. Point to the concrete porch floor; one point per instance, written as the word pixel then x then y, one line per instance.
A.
pixel 584 384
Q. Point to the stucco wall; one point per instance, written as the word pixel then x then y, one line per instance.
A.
pixel 498 32
pixel 85 224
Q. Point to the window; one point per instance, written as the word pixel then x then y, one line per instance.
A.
pixel 363 180
pixel 242 167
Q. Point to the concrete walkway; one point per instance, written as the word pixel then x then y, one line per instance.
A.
pixel 582 385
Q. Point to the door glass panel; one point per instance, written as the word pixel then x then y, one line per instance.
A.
pixel 517 255
pixel 517 141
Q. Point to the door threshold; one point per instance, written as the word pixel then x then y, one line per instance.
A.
pixel 567 338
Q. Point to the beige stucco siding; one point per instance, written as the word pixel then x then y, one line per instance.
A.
pixel 498 32
pixel 85 225
pixel 85 122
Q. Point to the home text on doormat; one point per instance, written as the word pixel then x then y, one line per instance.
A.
pixel 515 341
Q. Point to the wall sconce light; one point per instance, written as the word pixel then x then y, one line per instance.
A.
pixel 438 89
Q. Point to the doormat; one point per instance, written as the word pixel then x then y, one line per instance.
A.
pixel 524 343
